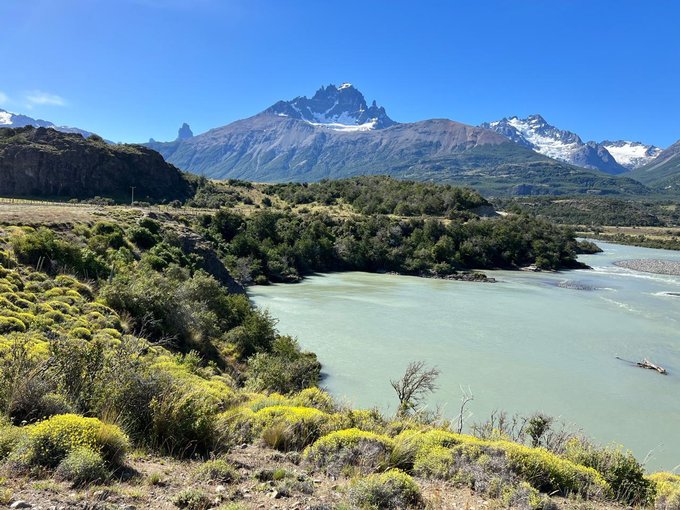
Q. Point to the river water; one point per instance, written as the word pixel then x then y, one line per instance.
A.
pixel 531 342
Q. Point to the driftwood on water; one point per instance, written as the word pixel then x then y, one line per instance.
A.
pixel 645 363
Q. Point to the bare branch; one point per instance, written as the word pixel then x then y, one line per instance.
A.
pixel 414 385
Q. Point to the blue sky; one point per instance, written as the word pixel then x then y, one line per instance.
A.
pixel 134 69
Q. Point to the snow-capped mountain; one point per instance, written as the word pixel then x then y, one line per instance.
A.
pixel 340 108
pixel 610 157
pixel 536 134
pixel 335 134
pixel 631 154
pixel 9 119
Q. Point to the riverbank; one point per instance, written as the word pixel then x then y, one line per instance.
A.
pixel 656 266
pixel 533 341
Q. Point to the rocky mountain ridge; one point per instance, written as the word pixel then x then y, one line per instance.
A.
pixel 340 108
pixel 535 133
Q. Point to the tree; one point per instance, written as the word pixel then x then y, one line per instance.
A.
pixel 414 385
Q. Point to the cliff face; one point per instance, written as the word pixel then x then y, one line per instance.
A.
pixel 42 162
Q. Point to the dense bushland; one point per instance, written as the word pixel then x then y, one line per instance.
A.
pixel 383 195
pixel 283 246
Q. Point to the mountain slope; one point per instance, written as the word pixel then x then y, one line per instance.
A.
pixel 43 162
pixel 535 133
pixel 631 155
pixel 288 142
pixel 17 120
pixel 663 172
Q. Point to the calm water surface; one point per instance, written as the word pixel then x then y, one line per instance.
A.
pixel 531 342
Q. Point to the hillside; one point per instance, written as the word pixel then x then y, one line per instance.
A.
pixel 147 383
pixel 332 137
pixel 43 162
pixel 663 173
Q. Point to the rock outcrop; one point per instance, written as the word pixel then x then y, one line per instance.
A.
pixel 42 162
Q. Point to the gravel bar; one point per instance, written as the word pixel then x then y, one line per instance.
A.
pixel 658 266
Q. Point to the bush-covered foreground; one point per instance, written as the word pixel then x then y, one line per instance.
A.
pixel 119 355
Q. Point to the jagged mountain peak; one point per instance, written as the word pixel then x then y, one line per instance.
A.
pixel 184 132
pixel 342 108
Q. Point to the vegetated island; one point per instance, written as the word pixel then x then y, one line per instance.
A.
pixel 134 372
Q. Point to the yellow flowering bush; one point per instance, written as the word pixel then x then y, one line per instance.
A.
pixel 51 440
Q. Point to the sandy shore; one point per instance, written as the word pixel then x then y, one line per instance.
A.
pixel 658 266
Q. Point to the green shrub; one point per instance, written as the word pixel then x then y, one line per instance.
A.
pixel 82 466
pixel 150 224
pixel 217 470
pixel 193 499
pixel 105 228
pixel 350 448
pixel 42 247
pixel 81 332
pixel 142 237
pixel 619 468
pixel 183 421
pixel 10 437
pixel 366 419
pixel 52 404
pixel 235 426
pixel 392 489
pixel 286 369
pixel 316 398
pixel 10 325
pixel 52 440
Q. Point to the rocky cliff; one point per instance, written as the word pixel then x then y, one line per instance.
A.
pixel 42 162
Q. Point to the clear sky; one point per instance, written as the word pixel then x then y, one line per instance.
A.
pixel 134 69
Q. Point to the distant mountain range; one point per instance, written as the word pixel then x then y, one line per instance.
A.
pixel 9 119
pixel 610 157
pixel 336 134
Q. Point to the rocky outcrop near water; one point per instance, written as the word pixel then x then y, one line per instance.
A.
pixel 45 163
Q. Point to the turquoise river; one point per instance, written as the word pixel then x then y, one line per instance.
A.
pixel 530 342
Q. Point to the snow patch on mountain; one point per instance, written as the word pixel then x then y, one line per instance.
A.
pixel 347 128
pixel 5 118
pixel 533 130
pixel 631 154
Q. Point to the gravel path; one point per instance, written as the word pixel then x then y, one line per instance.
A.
pixel 658 266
